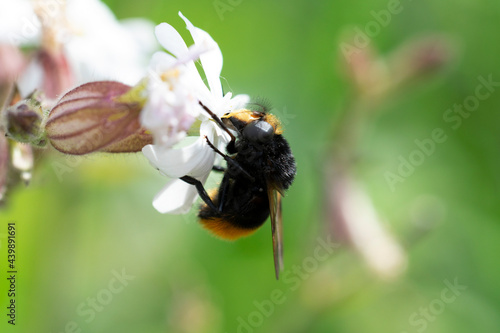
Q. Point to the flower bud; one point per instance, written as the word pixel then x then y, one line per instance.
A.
pixel 98 116
pixel 423 56
pixel 367 72
pixel 23 122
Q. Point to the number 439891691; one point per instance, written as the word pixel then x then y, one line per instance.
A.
pixel 11 256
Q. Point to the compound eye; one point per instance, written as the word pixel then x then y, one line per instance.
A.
pixel 258 131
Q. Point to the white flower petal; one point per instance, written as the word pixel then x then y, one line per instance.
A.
pixel 170 39
pixel 161 61
pixel 99 47
pixel 238 102
pixel 18 23
pixel 140 31
pixel 194 52
pixel 195 160
pixel 176 197
pixel 31 79
pixel 211 61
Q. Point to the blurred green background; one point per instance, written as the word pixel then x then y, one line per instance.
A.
pixel 75 235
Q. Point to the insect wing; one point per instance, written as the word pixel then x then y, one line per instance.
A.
pixel 276 227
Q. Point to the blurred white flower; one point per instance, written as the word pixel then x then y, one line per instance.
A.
pixel 100 47
pixel 94 44
pixel 18 23
pixel 195 159
pixel 356 222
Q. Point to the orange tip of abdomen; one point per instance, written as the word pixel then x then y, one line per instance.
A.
pixel 225 229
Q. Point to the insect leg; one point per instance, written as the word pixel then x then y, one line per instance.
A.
pixel 218 121
pixel 218 168
pixel 229 160
pixel 201 191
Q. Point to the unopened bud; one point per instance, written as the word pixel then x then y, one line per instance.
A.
pixel 23 122
pixel 98 116
pixel 366 70
pixel 423 56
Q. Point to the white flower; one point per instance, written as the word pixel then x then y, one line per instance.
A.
pixel 172 105
pixel 196 159
pixel 100 47
pixel 96 45
pixel 170 109
pixel 18 23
